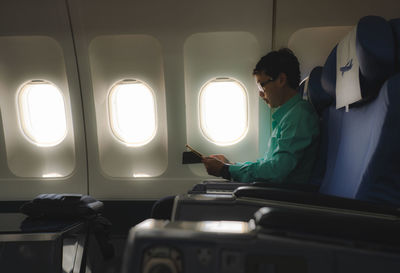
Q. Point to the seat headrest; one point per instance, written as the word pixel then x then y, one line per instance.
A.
pixel 318 97
pixel 395 23
pixel 311 90
pixel 375 53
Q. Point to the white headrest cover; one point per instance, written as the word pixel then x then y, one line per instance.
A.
pixel 347 72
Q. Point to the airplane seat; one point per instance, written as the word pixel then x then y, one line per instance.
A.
pixel 274 240
pixel 183 209
pixel 381 181
pixel 312 91
pixel 374 47
pixel 355 137
pixel 360 164
pixel 395 23
pixel 359 172
pixel 358 141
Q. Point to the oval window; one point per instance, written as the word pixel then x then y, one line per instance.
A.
pixel 132 112
pixel 223 111
pixel 42 113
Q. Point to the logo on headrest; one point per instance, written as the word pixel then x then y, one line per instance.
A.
pixel 347 67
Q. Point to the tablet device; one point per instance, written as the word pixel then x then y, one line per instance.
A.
pixel 192 156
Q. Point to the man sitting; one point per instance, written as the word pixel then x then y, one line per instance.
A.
pixel 292 148
pixel 293 145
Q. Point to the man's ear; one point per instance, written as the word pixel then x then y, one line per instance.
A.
pixel 282 79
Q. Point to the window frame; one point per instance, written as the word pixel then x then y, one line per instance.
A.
pixel 22 104
pixel 246 104
pixel 114 131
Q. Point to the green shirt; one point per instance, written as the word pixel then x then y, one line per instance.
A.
pixel 292 148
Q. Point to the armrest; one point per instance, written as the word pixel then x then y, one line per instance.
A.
pixel 223 186
pixel 228 186
pixel 300 221
pixel 314 199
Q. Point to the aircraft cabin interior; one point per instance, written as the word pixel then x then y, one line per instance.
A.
pixel 103 102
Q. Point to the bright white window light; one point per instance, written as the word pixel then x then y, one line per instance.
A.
pixel 223 111
pixel 42 113
pixel 132 112
pixel 140 175
pixel 46 175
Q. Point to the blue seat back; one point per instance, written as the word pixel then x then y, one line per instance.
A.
pixel 381 178
pixel 357 144
pixel 363 145
pixel 395 23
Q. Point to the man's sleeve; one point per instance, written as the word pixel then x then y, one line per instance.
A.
pixel 296 135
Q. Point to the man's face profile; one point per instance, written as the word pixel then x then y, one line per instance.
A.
pixel 266 88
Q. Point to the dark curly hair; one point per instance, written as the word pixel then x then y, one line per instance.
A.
pixel 281 61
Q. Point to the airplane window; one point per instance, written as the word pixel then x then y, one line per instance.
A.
pixel 223 111
pixel 42 113
pixel 132 112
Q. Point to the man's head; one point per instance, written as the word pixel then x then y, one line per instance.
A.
pixel 278 76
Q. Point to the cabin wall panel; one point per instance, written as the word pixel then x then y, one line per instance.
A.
pixel 33 58
pixel 124 57
pixel 25 22
pixel 170 22
pixel 228 55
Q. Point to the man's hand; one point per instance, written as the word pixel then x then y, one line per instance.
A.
pixel 213 165
pixel 221 158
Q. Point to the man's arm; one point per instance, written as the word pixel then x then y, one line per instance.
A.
pixel 288 148
pixel 274 169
